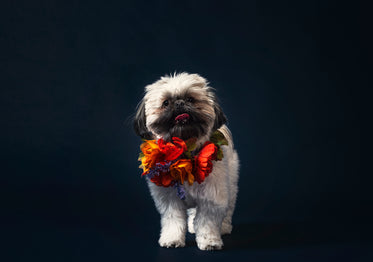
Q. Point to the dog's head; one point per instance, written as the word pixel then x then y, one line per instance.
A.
pixel 182 105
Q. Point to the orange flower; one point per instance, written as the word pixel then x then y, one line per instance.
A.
pixel 172 150
pixel 182 170
pixel 203 164
pixel 152 155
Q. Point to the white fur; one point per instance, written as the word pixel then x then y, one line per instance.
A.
pixel 208 208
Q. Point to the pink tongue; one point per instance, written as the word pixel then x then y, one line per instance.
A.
pixel 182 117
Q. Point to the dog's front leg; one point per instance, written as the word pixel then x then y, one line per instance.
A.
pixel 207 224
pixel 173 216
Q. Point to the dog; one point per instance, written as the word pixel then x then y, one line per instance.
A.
pixel 185 106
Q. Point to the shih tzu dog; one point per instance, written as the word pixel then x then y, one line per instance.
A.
pixel 184 106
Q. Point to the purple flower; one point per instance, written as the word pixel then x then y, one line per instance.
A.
pixel 180 190
pixel 159 168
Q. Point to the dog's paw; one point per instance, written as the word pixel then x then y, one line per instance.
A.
pixel 226 229
pixel 206 242
pixel 171 243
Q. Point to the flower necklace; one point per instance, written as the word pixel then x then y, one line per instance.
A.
pixel 171 163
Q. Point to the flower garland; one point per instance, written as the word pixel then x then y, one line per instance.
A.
pixel 171 163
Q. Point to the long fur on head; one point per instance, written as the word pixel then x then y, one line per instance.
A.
pixel 155 119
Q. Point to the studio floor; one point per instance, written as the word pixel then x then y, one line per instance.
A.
pixel 90 238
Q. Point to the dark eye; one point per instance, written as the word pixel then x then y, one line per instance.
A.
pixel 190 99
pixel 165 103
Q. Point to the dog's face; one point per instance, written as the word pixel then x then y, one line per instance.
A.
pixel 181 105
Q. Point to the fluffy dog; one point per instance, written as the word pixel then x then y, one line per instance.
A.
pixel 184 106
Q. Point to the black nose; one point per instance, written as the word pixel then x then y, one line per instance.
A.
pixel 179 103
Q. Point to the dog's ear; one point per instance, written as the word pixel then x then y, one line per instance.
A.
pixel 220 118
pixel 139 122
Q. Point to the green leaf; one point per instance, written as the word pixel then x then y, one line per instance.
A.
pixel 218 138
pixel 141 155
pixel 188 154
pixel 191 144
pixel 219 155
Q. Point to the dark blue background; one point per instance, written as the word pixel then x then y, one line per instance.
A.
pixel 291 77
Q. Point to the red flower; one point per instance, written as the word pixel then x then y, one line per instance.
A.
pixel 164 179
pixel 203 164
pixel 172 150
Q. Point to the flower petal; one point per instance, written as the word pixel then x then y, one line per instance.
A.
pixel 182 170
pixel 172 150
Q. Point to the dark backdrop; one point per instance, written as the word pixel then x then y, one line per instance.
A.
pixel 291 77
